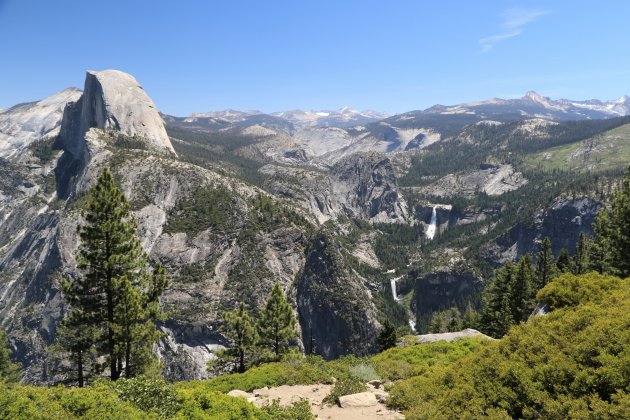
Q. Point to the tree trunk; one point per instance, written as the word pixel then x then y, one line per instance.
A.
pixel 128 354
pixel 114 373
pixel 80 368
pixel 241 361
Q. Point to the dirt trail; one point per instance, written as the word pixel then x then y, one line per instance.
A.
pixel 288 394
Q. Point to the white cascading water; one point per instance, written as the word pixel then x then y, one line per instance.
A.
pixel 432 225
pixel 412 325
pixel 392 282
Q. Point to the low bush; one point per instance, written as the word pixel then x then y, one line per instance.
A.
pixel 344 386
pixel 572 290
pixel 413 360
pixel 149 395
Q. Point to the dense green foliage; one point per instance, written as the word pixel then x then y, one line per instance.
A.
pixel 612 233
pixel 572 363
pixel 206 208
pixel 413 360
pixel 114 300
pixel 9 371
pixel 137 398
pixel 43 149
pixel 217 151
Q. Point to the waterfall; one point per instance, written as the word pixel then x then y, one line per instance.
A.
pixel 432 225
pixel 412 325
pixel 392 282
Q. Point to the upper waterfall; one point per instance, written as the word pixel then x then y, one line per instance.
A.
pixel 432 225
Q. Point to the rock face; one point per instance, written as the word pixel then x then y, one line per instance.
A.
pixel 113 101
pixel 443 290
pixel 361 186
pixel 562 223
pixel 335 308
pixel 366 184
pixel 491 179
pixel 24 123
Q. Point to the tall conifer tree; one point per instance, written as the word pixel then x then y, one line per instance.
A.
pixel 545 270
pixel 276 325
pixel 496 315
pixel 239 329
pixel 522 289
pixel 117 290
pixel 581 259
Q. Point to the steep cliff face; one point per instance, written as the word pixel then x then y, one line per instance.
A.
pixel 361 186
pixel 443 290
pixel 113 101
pixel 334 304
pixel 562 222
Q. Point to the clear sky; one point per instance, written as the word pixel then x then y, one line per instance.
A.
pixel 392 56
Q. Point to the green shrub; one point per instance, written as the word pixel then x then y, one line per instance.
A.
pixel 363 372
pixel 199 403
pixel 344 386
pixel 413 360
pixel 47 403
pixel 299 410
pixel 150 395
pixel 572 290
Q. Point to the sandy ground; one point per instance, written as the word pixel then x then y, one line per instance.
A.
pixel 288 394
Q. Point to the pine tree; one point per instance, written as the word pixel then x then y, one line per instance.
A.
pixel 581 259
pixel 438 323
pixel 621 228
pixel 611 246
pixel 240 330
pixel 76 335
pixel 545 269
pixel 454 320
pixel 601 248
pixel 563 264
pixel 117 292
pixel 496 314
pixel 276 325
pixel 522 289
pixel 9 371
pixel 387 337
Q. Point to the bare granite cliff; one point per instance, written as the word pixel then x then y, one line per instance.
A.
pixel 113 100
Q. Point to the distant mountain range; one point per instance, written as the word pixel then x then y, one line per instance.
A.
pixel 538 106
pixel 532 105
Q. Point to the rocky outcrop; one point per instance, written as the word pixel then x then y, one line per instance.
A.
pixel 334 304
pixel 449 336
pixel 25 123
pixel 113 101
pixel 490 179
pixel 362 399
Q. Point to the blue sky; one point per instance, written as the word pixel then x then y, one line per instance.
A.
pixel 269 55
